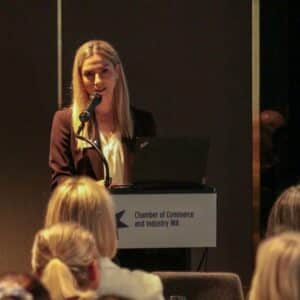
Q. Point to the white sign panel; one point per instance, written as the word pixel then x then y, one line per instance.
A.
pixel 166 220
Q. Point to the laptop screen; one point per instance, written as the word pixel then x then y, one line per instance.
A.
pixel 170 160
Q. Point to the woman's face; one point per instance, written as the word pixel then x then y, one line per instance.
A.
pixel 99 75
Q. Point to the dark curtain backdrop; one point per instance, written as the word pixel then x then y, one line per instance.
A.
pixel 28 97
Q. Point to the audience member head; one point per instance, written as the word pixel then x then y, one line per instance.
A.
pixel 285 213
pixel 65 258
pixel 272 119
pixel 15 286
pixel 272 136
pixel 82 200
pixel 277 271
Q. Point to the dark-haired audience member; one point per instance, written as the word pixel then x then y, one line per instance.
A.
pixel 275 170
pixel 22 286
pixel 84 201
pixel 277 271
pixel 65 257
pixel 285 213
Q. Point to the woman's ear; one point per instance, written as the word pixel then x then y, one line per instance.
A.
pixel 94 274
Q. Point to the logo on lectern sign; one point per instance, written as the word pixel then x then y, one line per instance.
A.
pixel 120 223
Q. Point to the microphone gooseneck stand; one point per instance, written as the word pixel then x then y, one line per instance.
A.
pixel 107 179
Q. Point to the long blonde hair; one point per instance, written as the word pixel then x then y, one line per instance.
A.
pixel 82 200
pixel 285 213
pixel 61 257
pixel 80 97
pixel 277 272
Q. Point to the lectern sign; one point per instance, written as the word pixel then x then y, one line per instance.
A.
pixel 166 220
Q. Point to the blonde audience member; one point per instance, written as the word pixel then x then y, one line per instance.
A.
pixel 65 257
pixel 285 213
pixel 277 272
pixel 82 200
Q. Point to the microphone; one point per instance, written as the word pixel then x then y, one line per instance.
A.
pixel 85 116
pixel 95 99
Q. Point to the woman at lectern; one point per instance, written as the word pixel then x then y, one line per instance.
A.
pixel 114 125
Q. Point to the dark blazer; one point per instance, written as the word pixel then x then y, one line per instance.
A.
pixel 65 160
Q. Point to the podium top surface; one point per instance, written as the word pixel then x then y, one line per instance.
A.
pixel 163 188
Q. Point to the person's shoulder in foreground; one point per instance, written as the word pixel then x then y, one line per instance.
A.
pixel 136 285
pixel 62 116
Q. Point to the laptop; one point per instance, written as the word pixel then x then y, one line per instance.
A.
pixel 170 162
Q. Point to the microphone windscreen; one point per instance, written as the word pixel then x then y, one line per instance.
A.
pixel 95 99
